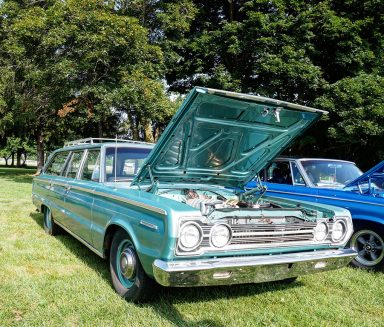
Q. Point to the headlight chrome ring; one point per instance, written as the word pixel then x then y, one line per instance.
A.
pixel 320 232
pixel 190 236
pixel 339 230
pixel 221 235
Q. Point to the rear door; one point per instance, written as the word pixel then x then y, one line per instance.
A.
pixel 83 175
pixel 53 184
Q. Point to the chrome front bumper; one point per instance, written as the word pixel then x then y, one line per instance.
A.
pixel 254 269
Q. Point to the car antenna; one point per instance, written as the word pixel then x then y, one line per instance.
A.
pixel 115 180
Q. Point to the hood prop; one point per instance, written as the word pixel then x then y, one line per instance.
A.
pixel 154 182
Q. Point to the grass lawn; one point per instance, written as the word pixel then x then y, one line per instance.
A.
pixel 57 281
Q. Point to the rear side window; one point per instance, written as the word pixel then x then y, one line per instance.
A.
pixel 57 164
pixel 74 164
pixel 91 170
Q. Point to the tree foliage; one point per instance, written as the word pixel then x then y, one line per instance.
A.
pixel 309 52
pixel 71 68
pixel 68 59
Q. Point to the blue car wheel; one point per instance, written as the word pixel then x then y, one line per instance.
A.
pixel 369 245
pixel 49 224
pixel 128 276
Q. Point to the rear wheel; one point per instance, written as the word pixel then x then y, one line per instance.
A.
pixel 369 244
pixel 128 276
pixel 50 226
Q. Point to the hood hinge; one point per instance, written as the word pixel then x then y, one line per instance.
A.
pixel 256 192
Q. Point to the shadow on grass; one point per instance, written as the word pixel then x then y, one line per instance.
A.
pixel 164 298
pixel 17 175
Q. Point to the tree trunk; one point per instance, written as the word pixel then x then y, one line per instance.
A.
pixel 13 159
pixel 231 10
pixel 19 152
pixel 148 132
pixel 100 129
pixel 40 150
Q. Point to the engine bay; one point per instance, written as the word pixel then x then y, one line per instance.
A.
pixel 208 200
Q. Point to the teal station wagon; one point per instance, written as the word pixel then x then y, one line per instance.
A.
pixel 177 213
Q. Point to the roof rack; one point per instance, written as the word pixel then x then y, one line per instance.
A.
pixel 93 140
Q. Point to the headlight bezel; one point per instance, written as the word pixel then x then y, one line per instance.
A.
pixel 323 239
pixel 181 244
pixel 215 227
pixel 344 233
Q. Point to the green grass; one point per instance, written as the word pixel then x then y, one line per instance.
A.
pixel 57 281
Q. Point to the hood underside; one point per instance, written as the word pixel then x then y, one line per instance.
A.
pixel 224 138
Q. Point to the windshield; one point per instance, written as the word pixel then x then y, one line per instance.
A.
pixel 329 173
pixel 122 164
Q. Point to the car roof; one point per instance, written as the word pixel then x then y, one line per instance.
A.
pixel 314 159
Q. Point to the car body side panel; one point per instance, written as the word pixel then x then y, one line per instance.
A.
pixel 78 203
pixel 361 207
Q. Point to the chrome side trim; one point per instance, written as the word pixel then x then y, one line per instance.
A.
pixel 326 197
pixel 132 202
pixel 248 269
pixel 89 246
pixel 110 196
pixel 149 225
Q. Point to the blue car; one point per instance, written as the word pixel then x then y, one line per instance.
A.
pixel 339 183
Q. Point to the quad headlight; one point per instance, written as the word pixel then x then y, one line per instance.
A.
pixel 321 232
pixel 220 235
pixel 190 236
pixel 339 230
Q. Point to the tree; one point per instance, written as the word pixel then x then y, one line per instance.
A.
pixel 68 59
pixel 356 124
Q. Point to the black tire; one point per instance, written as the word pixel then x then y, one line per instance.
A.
pixel 368 241
pixel 128 276
pixel 50 226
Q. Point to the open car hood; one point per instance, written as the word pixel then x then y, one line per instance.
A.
pixel 224 138
pixel 379 168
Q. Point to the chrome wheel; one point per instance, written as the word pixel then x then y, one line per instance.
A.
pixel 126 263
pixel 369 246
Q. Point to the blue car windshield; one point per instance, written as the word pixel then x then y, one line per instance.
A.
pixel 330 173
pixel 123 163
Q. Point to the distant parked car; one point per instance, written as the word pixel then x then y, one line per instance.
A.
pixel 339 183
pixel 164 213
pixel 311 172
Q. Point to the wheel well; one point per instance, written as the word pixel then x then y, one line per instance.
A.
pixel 42 209
pixel 366 224
pixel 111 230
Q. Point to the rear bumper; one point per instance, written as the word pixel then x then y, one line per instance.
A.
pixel 254 269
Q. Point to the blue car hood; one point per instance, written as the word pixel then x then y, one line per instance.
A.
pixel 224 138
pixel 379 168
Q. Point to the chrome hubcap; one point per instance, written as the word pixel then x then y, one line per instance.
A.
pixel 127 263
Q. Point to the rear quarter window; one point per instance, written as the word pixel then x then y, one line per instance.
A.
pixel 74 164
pixel 57 164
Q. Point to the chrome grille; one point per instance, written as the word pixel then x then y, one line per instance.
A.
pixel 267 234
pixel 260 235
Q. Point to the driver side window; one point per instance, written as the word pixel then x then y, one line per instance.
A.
pixel 297 176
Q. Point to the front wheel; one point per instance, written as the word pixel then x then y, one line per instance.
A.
pixel 369 245
pixel 128 276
